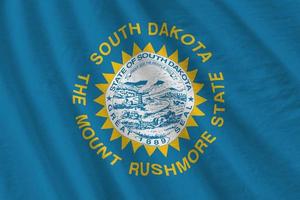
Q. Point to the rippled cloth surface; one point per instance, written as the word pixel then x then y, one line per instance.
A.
pixel 44 45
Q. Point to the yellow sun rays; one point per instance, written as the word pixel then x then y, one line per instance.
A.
pixel 190 122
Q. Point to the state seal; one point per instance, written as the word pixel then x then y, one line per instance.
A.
pixel 150 99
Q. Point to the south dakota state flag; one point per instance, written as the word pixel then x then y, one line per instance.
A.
pixel 149 99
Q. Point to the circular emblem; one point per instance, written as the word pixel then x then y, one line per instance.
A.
pixel 150 99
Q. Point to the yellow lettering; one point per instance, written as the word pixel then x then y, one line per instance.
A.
pixel 218 109
pixel 114 43
pixel 190 156
pixel 84 133
pixel 80 121
pixel 217 121
pixel 122 30
pixel 146 172
pixel 164 29
pixel 199 145
pixel 174 32
pixel 173 169
pixel 152 25
pixel 136 27
pixel 199 46
pixel 184 166
pixel 219 97
pixel 134 167
pixel 208 137
pixel 215 77
pixel 205 56
pixel 92 145
pixel 156 169
pixel 190 41
pixel 116 158
pixel 96 58
pixel 104 153
pixel 104 51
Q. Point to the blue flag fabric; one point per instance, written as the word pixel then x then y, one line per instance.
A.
pixel 149 99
